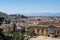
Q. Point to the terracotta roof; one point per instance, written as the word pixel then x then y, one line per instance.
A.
pixel 19 24
pixel 4 26
pixel 49 24
pixel 44 23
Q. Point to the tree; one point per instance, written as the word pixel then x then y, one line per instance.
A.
pixel 7 21
pixel 14 31
pixel 1 33
pixel 18 33
pixel 1 20
pixel 31 31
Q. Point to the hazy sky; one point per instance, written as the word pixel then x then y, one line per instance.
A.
pixel 27 7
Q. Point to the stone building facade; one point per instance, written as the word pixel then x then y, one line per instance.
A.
pixel 46 29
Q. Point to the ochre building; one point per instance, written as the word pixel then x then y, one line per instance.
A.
pixel 47 28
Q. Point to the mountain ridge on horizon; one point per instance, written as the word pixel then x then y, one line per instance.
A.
pixel 42 14
pixel 34 14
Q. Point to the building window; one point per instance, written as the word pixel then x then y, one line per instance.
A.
pixel 37 30
pixel 42 30
pixel 58 31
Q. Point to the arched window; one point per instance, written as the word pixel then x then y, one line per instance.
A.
pixel 38 30
pixel 58 31
pixel 42 30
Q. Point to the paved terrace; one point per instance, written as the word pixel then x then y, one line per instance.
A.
pixel 44 38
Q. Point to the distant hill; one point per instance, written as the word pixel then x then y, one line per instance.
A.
pixel 28 15
pixel 17 16
pixel 12 15
pixel 3 15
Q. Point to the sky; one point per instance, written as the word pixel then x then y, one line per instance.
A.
pixel 30 7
